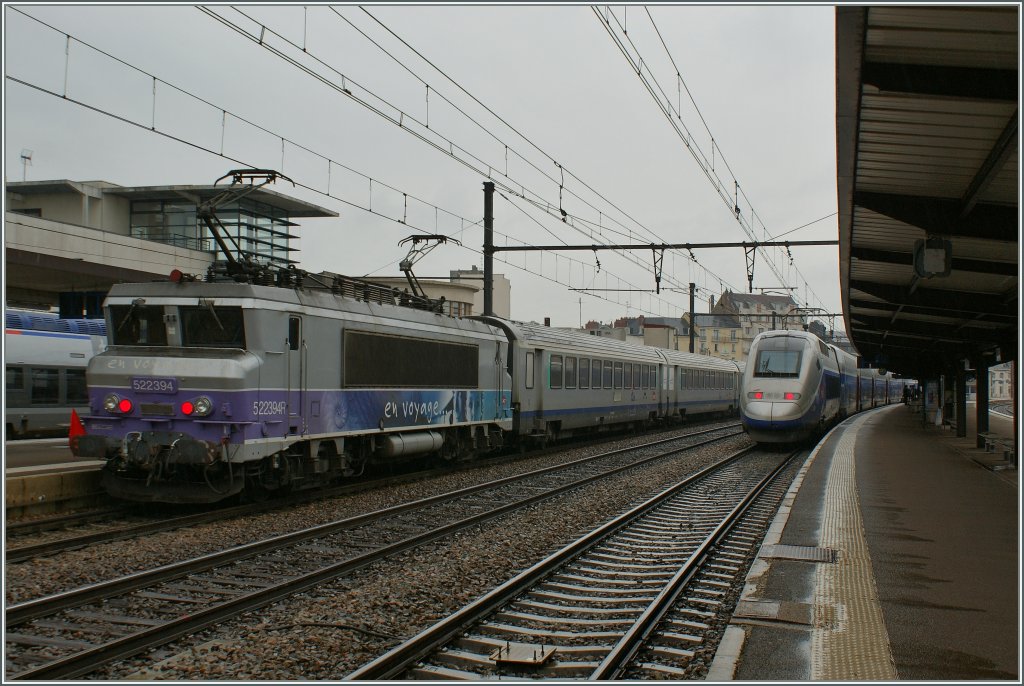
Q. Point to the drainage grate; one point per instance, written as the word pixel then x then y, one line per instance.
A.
pixel 799 552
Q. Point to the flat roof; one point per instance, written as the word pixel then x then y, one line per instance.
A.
pixel 293 206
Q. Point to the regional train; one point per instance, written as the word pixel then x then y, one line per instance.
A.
pixel 229 384
pixel 45 358
pixel 795 386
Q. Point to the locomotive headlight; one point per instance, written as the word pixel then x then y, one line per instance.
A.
pixel 197 407
pixel 202 406
pixel 117 405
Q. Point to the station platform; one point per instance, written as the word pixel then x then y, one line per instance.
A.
pixel 895 556
pixel 52 488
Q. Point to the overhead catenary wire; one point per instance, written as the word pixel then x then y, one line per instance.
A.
pixel 545 205
pixel 651 83
pixel 152 128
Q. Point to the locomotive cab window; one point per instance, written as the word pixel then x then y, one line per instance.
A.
pixel 212 327
pixel 137 324
pixel 294 333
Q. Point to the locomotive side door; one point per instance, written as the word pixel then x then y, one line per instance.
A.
pixel 296 390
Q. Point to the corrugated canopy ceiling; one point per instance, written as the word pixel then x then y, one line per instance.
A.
pixel 927 139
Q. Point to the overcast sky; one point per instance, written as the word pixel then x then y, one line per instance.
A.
pixel 586 136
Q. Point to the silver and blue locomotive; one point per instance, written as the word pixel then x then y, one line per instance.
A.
pixel 209 388
pixel 795 386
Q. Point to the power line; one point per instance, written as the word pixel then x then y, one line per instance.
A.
pixel 547 207
pixel 152 128
pixel 638 66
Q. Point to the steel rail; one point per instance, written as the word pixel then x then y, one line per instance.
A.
pixel 87 660
pixel 618 658
pixel 26 552
pixel 397 660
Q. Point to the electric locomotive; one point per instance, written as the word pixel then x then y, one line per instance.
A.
pixel 793 386
pixel 209 388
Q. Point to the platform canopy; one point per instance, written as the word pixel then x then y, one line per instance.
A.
pixel 927 120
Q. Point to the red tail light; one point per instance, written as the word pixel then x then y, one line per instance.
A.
pixel 187 408
pixel 125 406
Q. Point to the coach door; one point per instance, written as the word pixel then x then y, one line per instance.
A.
pixel 296 361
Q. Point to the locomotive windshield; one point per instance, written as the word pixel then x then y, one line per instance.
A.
pixel 212 327
pixel 137 324
pixel 204 326
pixel 779 357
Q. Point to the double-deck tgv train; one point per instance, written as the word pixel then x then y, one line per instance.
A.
pixel 795 386
pixel 44 370
pixel 211 387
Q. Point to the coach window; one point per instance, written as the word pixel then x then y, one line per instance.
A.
pixel 654 377
pixel 607 376
pixel 643 375
pixel 44 387
pixel 636 375
pixel 618 375
pixel 555 377
pixel 529 370
pixel 76 390
pixel 682 379
pixel 584 372
pixel 14 378
pixel 627 375
pixel 570 372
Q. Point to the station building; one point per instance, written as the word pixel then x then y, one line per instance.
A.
pixel 67 242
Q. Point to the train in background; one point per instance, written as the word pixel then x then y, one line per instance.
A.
pixel 45 359
pixel 213 387
pixel 795 386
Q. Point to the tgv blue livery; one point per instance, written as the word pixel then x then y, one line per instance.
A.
pixel 795 386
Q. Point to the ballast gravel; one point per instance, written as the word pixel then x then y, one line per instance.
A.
pixel 331 630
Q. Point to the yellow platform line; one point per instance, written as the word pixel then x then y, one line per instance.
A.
pixel 849 640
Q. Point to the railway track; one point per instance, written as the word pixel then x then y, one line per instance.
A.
pixel 642 597
pixel 72 633
pixel 62 533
